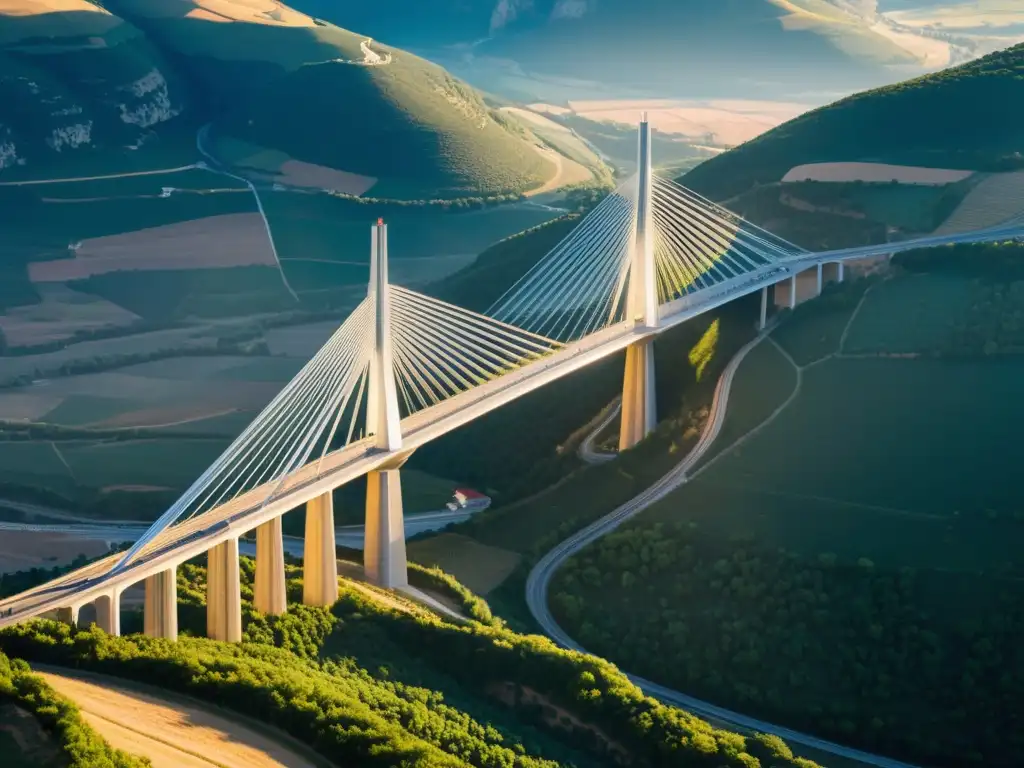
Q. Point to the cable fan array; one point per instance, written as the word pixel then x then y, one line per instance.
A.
pixel 304 419
pixel 579 286
pixel 440 350
pixel 698 244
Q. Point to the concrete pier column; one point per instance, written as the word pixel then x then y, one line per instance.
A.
pixel 269 597
pixel 68 615
pixel 384 543
pixel 160 614
pixel 839 271
pixel 108 612
pixel 223 593
pixel 819 281
pixel 764 309
pixel 320 559
pixel 792 292
pixel 639 404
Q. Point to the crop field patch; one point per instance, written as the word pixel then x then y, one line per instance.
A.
pixel 874 173
pixel 302 341
pixel 82 410
pixel 324 241
pixel 27 406
pixel 997 199
pixel 230 240
pixel 33 463
pixel 61 313
pixel 909 314
pixel 480 567
pixel 270 369
pixel 171 464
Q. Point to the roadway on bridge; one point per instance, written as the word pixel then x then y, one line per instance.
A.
pixel 539 580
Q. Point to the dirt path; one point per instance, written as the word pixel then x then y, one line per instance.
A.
pixel 96 178
pixel 563 172
pixel 172 734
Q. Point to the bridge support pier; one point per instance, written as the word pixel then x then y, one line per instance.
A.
pixel 819 282
pixel 320 558
pixel 832 272
pixel 223 593
pixel 384 540
pixel 68 615
pixel 764 309
pixel 639 404
pixel 269 596
pixel 160 614
pixel 108 612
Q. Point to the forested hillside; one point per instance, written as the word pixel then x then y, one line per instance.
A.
pixel 364 684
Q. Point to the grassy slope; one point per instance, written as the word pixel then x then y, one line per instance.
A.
pixel 967 117
pixel 409 123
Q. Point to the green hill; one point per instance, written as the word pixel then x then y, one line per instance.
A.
pixel 378 681
pixel 260 72
pixel 78 81
pixel 969 117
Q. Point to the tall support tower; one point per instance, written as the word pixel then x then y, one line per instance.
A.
pixel 639 407
pixel 384 543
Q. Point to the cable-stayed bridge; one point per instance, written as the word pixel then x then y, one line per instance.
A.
pixel 405 368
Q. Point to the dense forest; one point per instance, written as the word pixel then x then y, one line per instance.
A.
pixel 846 649
pixel 969 117
pixel 365 684
pixel 993 323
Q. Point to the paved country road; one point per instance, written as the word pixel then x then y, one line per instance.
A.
pixel 539 581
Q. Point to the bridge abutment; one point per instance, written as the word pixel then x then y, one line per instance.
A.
pixel 223 593
pixel 639 404
pixel 269 596
pixel 384 561
pixel 320 555
pixel 160 613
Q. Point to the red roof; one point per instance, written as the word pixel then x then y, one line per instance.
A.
pixel 469 493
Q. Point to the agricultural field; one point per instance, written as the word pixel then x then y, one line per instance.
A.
pixel 478 566
pixel 998 198
pixel 324 242
pixel 60 313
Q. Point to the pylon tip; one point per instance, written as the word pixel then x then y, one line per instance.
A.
pixel 380 221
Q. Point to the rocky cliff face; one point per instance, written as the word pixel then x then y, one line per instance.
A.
pixel 78 81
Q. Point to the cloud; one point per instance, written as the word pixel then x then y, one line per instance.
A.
pixel 506 11
pixel 569 9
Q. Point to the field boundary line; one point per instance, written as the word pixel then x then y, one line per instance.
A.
pixel 853 316
pixel 771 417
pixel 266 225
pixel 63 461
pixel 73 179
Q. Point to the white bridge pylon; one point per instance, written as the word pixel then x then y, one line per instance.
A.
pixel 404 369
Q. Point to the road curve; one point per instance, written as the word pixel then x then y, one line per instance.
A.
pixel 539 581
pixel 587 452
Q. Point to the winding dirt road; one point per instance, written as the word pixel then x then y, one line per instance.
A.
pixel 172 734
